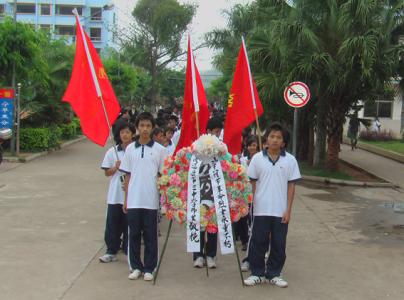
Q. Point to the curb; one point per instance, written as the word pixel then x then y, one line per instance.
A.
pixel 348 182
pixel 382 152
pixel 34 156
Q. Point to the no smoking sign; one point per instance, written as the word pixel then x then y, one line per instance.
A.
pixel 297 94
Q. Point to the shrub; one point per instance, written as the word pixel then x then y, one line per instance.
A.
pixel 55 137
pixel 34 139
pixel 383 135
pixel 69 131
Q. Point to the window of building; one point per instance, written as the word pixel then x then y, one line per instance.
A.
pixel 45 9
pixel 379 108
pixel 67 10
pixel 64 30
pixel 95 34
pixel 1 10
pixel 25 8
pixel 96 13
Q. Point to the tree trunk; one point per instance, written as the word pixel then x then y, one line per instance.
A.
pixel 333 151
pixel 310 154
pixel 321 133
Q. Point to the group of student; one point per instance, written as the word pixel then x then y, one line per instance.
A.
pixel 134 165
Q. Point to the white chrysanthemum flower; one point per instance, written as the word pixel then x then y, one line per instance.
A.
pixel 208 146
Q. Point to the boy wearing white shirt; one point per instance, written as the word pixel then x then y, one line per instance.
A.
pixel 116 220
pixel 273 173
pixel 142 163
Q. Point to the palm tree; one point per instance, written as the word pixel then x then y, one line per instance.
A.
pixel 344 49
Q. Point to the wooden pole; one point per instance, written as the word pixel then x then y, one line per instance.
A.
pixel 162 252
pixel 198 130
pixel 258 128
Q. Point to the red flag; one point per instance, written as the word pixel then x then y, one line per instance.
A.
pixel 88 87
pixel 242 101
pixel 194 103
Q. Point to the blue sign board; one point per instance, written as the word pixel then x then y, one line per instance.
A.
pixel 6 113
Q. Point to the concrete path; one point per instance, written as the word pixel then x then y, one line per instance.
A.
pixel 343 243
pixel 387 169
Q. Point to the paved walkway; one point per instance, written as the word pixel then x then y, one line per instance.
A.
pixel 343 242
pixel 387 169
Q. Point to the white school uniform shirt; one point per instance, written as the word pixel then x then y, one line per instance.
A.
pixel 271 195
pixel 176 137
pixel 171 148
pixel 115 192
pixel 143 163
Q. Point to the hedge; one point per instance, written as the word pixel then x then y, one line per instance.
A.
pixel 46 138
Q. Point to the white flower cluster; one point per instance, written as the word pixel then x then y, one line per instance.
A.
pixel 208 146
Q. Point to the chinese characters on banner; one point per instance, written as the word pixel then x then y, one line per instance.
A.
pixel 6 108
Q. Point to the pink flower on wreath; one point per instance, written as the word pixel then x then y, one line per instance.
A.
pixel 233 175
pixel 175 180
pixel 225 166
pixel 183 195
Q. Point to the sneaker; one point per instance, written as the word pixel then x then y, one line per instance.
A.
pixel 148 277
pixel 107 258
pixel 279 282
pixel 198 263
pixel 255 280
pixel 210 261
pixel 245 266
pixel 135 274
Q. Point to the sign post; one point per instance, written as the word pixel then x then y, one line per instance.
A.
pixel 296 95
pixel 6 108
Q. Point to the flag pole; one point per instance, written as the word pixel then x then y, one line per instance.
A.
pixel 252 94
pixel 94 76
pixel 195 95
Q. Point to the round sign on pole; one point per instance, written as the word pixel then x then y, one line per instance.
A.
pixel 297 94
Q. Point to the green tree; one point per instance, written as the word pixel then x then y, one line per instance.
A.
pixel 172 85
pixel 345 50
pixel 155 38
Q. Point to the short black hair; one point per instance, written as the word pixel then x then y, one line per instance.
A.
pixel 145 116
pixel 276 126
pixel 167 129
pixel 173 117
pixel 214 123
pixel 157 130
pixel 127 126
pixel 252 139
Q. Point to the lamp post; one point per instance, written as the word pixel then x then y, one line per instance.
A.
pixel 18 110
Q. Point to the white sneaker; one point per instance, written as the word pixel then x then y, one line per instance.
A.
pixel 107 258
pixel 198 263
pixel 135 274
pixel 279 282
pixel 148 277
pixel 255 280
pixel 245 266
pixel 210 261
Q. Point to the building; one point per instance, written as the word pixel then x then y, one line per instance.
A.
pixel 98 18
pixel 389 111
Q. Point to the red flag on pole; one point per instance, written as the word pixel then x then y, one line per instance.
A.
pixel 89 91
pixel 194 103
pixel 242 104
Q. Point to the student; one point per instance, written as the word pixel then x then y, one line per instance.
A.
pixel 273 173
pixel 116 220
pixel 213 127
pixel 158 135
pixel 170 146
pixel 142 163
pixel 252 148
pixel 172 122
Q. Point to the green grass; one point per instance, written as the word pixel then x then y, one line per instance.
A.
pixel 395 146
pixel 319 172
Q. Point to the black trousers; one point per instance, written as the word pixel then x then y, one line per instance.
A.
pixel 142 223
pixel 211 245
pixel 115 228
pixel 241 229
pixel 264 226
